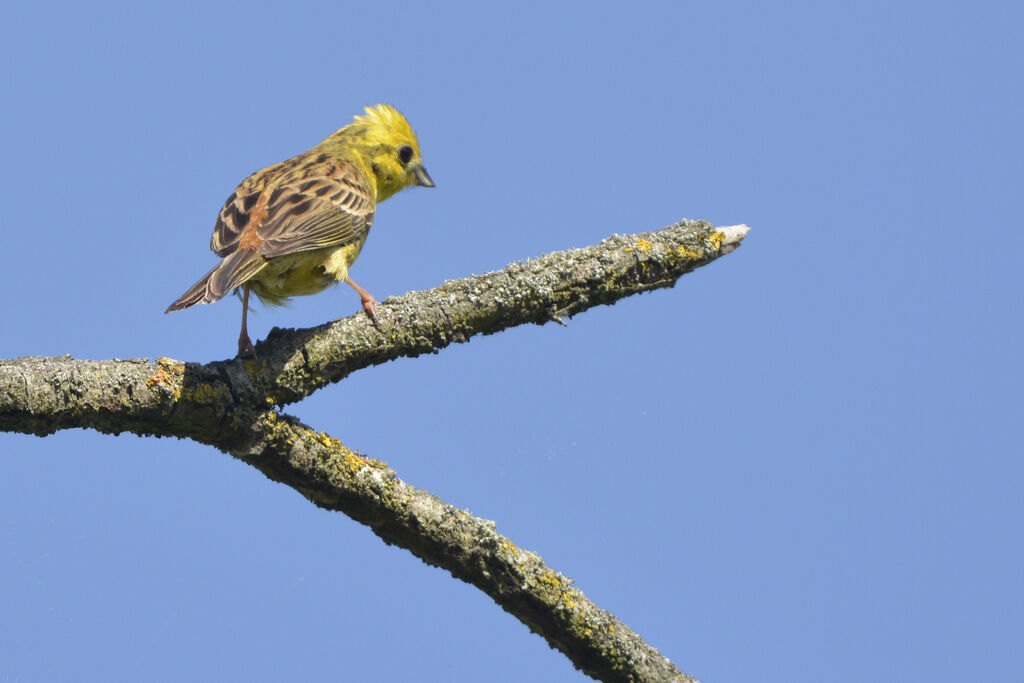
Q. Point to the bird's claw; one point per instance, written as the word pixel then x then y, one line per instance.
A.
pixel 370 306
pixel 246 348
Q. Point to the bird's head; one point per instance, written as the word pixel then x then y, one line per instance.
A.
pixel 388 149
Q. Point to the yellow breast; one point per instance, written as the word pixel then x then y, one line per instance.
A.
pixel 304 273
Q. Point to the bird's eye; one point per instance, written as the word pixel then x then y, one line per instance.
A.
pixel 404 153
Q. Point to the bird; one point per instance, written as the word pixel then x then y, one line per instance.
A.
pixel 296 227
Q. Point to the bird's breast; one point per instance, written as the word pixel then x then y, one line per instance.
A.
pixel 305 273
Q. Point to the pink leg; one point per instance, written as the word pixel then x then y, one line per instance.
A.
pixel 369 303
pixel 245 347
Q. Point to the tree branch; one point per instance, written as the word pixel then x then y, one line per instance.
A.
pixel 336 478
pixel 42 395
pixel 226 404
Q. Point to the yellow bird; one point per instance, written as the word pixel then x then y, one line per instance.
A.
pixel 296 227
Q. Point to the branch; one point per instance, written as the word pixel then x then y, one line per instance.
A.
pixel 336 478
pixel 541 290
pixel 226 404
pixel 42 395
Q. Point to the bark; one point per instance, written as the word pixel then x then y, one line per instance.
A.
pixel 230 405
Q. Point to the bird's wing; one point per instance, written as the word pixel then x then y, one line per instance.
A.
pixel 234 216
pixel 299 208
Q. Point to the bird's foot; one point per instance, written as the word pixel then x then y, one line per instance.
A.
pixel 370 306
pixel 245 348
pixel 369 303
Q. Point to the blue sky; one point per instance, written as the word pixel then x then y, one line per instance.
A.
pixel 803 463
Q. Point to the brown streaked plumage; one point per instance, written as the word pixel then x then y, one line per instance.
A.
pixel 294 228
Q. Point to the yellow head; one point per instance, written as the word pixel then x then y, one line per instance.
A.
pixel 387 149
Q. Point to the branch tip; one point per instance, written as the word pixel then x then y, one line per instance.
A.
pixel 734 234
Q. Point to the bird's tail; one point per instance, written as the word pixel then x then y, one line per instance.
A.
pixel 233 271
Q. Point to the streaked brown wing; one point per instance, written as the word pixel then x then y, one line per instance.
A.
pixel 234 215
pixel 326 210
pixel 313 206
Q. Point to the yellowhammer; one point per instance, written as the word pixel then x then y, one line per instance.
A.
pixel 295 227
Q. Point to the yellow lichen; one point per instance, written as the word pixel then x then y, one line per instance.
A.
pixel 716 239
pixel 644 245
pixel 170 363
pixel 548 577
pixel 352 462
pixel 328 441
pixel 168 376
pixel 691 254
pixel 206 393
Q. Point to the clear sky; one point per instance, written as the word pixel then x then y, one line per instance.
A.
pixel 803 463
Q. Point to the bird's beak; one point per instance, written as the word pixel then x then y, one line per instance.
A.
pixel 422 177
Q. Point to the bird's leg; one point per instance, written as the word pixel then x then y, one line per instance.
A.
pixel 369 303
pixel 245 347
